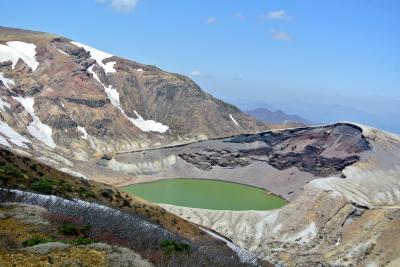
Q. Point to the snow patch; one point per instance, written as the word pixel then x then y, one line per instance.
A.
pixel 62 52
pixel 233 119
pixel 36 128
pixel 15 50
pixel 99 56
pixel 338 241
pixel 142 124
pixel 148 125
pixel 7 82
pixel 113 95
pixel 12 135
pixel 84 133
pixel 4 141
pixel 109 67
pixel 4 104
pixel 90 70
pixel 140 70
pixel 86 136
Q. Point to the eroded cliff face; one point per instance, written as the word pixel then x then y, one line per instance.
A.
pixel 72 99
pixel 335 221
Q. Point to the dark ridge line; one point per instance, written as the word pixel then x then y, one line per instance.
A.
pixel 291 130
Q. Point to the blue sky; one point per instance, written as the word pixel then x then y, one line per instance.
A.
pixel 325 60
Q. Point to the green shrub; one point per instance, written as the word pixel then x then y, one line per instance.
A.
pixel 34 241
pixel 86 229
pixel 7 172
pixel 170 247
pixel 87 194
pixel 81 241
pixel 69 229
pixel 67 188
pixel 64 187
pixel 44 186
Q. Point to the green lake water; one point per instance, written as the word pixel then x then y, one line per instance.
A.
pixel 207 194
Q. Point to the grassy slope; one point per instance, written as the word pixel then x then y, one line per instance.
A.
pixel 19 172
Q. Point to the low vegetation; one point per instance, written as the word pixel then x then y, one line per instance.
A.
pixel 44 186
pixel 23 173
pixel 69 229
pixel 81 241
pixel 117 219
pixel 9 172
pixel 171 247
pixel 35 241
pixel 78 224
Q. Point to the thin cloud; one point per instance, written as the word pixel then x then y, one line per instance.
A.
pixel 120 5
pixel 277 15
pixel 281 36
pixel 211 20
pixel 196 73
pixel 239 16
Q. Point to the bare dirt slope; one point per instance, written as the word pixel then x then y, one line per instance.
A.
pixel 335 221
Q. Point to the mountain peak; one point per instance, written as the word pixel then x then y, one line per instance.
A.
pixel 52 85
pixel 277 117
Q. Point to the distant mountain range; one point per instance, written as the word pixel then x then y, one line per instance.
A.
pixel 277 117
pixel 323 113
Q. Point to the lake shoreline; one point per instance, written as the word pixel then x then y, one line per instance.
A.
pixel 206 194
pixel 267 192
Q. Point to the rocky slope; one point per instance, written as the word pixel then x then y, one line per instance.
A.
pixel 342 180
pixel 279 161
pixel 351 219
pixel 75 100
